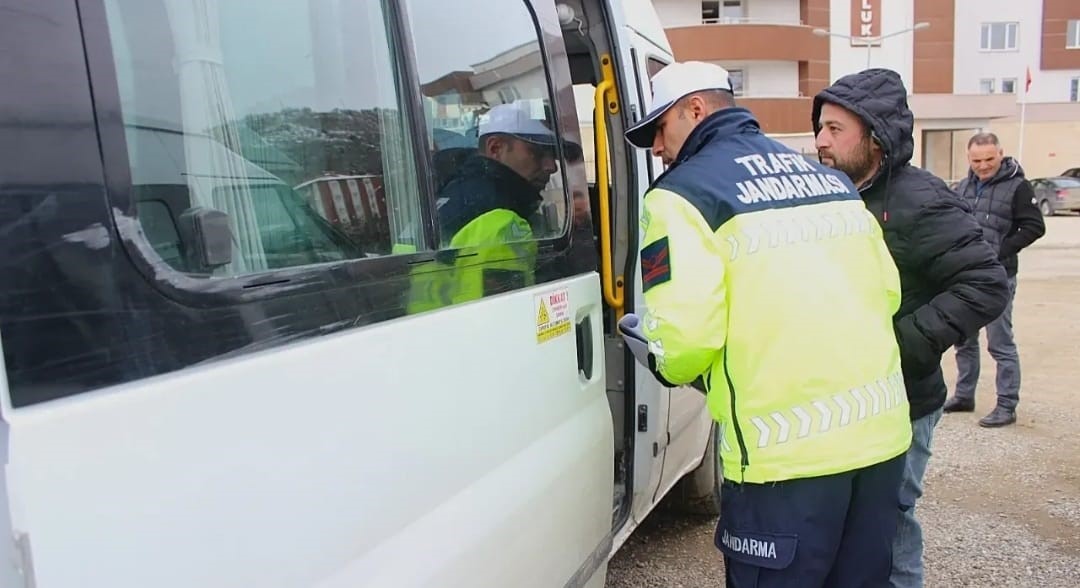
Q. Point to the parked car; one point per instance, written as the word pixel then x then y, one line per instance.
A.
pixel 1072 172
pixel 1057 194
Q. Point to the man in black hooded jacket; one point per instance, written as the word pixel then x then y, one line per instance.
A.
pixel 952 283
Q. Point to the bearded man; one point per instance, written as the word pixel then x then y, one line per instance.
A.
pixel 951 281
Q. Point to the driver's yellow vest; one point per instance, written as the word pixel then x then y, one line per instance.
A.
pixel 494 252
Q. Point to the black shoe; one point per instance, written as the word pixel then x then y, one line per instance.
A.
pixel 955 404
pixel 998 418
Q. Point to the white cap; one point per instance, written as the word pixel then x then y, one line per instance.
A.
pixel 514 119
pixel 671 84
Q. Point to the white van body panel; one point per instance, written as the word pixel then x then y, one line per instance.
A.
pixel 330 463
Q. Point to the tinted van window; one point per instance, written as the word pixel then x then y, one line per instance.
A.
pixel 284 124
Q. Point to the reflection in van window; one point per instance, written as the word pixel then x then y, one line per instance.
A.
pixel 280 130
pixel 488 109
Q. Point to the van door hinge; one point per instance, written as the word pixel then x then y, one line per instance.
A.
pixel 643 418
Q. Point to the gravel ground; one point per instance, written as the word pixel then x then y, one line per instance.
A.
pixel 1002 507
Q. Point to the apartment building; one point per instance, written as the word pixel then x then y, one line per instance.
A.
pixel 966 63
pixel 777 63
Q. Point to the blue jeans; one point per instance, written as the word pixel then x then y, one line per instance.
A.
pixel 1002 347
pixel 907 565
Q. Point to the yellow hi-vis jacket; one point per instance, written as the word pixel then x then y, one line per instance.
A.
pixel 766 273
pixel 490 245
pixel 493 253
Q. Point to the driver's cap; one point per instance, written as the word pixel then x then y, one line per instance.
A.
pixel 516 119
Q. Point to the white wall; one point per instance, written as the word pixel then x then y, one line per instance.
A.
pixel 973 65
pixel 767 79
pixel 894 53
pixel 1051 86
pixel 678 13
pixel 773 11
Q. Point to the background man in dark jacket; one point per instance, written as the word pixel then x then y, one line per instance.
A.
pixel 951 281
pixel 1004 205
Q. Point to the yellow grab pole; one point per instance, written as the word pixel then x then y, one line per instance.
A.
pixel 605 101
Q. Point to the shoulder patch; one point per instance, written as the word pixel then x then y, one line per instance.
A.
pixel 655 264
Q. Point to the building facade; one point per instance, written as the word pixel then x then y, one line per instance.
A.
pixel 966 63
pixel 777 63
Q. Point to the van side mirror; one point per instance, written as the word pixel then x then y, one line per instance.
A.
pixel 207 238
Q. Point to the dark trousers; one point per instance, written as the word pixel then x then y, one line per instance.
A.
pixel 1002 347
pixel 834 531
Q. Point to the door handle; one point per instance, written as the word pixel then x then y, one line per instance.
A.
pixel 584 334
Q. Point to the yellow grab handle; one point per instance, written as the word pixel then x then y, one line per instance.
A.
pixel 605 101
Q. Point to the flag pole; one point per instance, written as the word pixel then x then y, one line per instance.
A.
pixel 1023 114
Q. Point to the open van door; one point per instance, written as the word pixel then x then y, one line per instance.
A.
pixel 599 43
pixel 688 424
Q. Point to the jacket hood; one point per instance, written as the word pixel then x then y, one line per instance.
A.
pixel 879 98
pixel 1010 168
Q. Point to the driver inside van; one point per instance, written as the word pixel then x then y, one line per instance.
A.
pixel 489 211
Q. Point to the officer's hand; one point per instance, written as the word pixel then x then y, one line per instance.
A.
pixel 630 329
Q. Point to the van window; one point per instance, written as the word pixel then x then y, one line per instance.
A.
pixel 654 66
pixel 290 121
pixel 476 77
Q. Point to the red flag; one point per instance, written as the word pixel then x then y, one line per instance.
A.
pixel 1027 87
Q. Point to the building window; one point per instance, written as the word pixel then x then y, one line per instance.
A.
pixel 986 86
pixel 721 11
pixel 1008 86
pixel 1072 35
pixel 998 36
pixel 736 77
pixel 1074 90
pixel 710 12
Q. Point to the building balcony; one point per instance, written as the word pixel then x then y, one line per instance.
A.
pixel 741 41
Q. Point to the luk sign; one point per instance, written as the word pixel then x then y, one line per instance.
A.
pixel 865 21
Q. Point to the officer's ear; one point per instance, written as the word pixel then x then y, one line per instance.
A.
pixel 494 145
pixel 697 106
